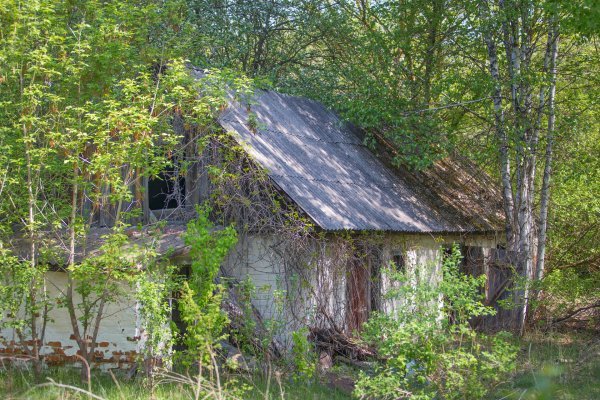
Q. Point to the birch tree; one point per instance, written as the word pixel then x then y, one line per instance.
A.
pixel 524 89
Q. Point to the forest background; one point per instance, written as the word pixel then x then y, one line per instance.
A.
pixel 511 85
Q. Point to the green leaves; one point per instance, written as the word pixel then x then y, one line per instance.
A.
pixel 208 248
pixel 19 291
pixel 89 90
pixel 428 348
pixel 201 297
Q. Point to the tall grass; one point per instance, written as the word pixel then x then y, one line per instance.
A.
pixel 551 366
pixel 556 366
pixel 65 384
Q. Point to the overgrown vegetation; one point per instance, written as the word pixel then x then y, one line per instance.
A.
pixel 509 84
pixel 19 384
pixel 97 98
pixel 428 348
pixel 89 94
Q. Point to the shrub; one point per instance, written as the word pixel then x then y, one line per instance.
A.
pixel 154 287
pixel 304 356
pixel 201 296
pixel 428 348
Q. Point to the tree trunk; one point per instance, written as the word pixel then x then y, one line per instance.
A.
pixel 517 21
pixel 433 21
pixel 70 301
pixel 545 195
pixel 501 135
pixel 35 350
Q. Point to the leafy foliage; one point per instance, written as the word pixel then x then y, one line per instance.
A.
pixel 20 293
pixel 90 90
pixel 153 286
pixel 89 93
pixel 201 297
pixel 100 280
pixel 428 347
pixel 303 355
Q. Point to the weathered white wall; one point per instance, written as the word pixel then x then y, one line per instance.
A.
pixel 321 296
pixel 291 291
pixel 116 339
pixel 423 257
pixel 328 293
pixel 256 258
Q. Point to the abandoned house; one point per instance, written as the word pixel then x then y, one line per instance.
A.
pixel 352 215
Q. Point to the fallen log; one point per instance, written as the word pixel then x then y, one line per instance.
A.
pixel 572 313
pixel 339 344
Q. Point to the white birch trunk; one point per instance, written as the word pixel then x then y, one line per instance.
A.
pixel 545 194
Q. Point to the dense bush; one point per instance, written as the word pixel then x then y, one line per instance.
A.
pixel 428 348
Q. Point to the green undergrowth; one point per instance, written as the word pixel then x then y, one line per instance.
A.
pixel 555 366
pixel 549 366
pixel 19 384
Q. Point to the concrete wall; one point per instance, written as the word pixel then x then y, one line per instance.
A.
pixel 257 258
pixel 117 341
pixel 423 256
pixel 312 290
pixel 291 290
pixel 308 288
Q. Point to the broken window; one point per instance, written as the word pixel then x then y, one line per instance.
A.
pixel 167 190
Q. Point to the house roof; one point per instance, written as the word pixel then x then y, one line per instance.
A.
pixel 321 163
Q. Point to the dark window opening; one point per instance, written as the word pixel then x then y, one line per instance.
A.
pixel 399 262
pixel 167 190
